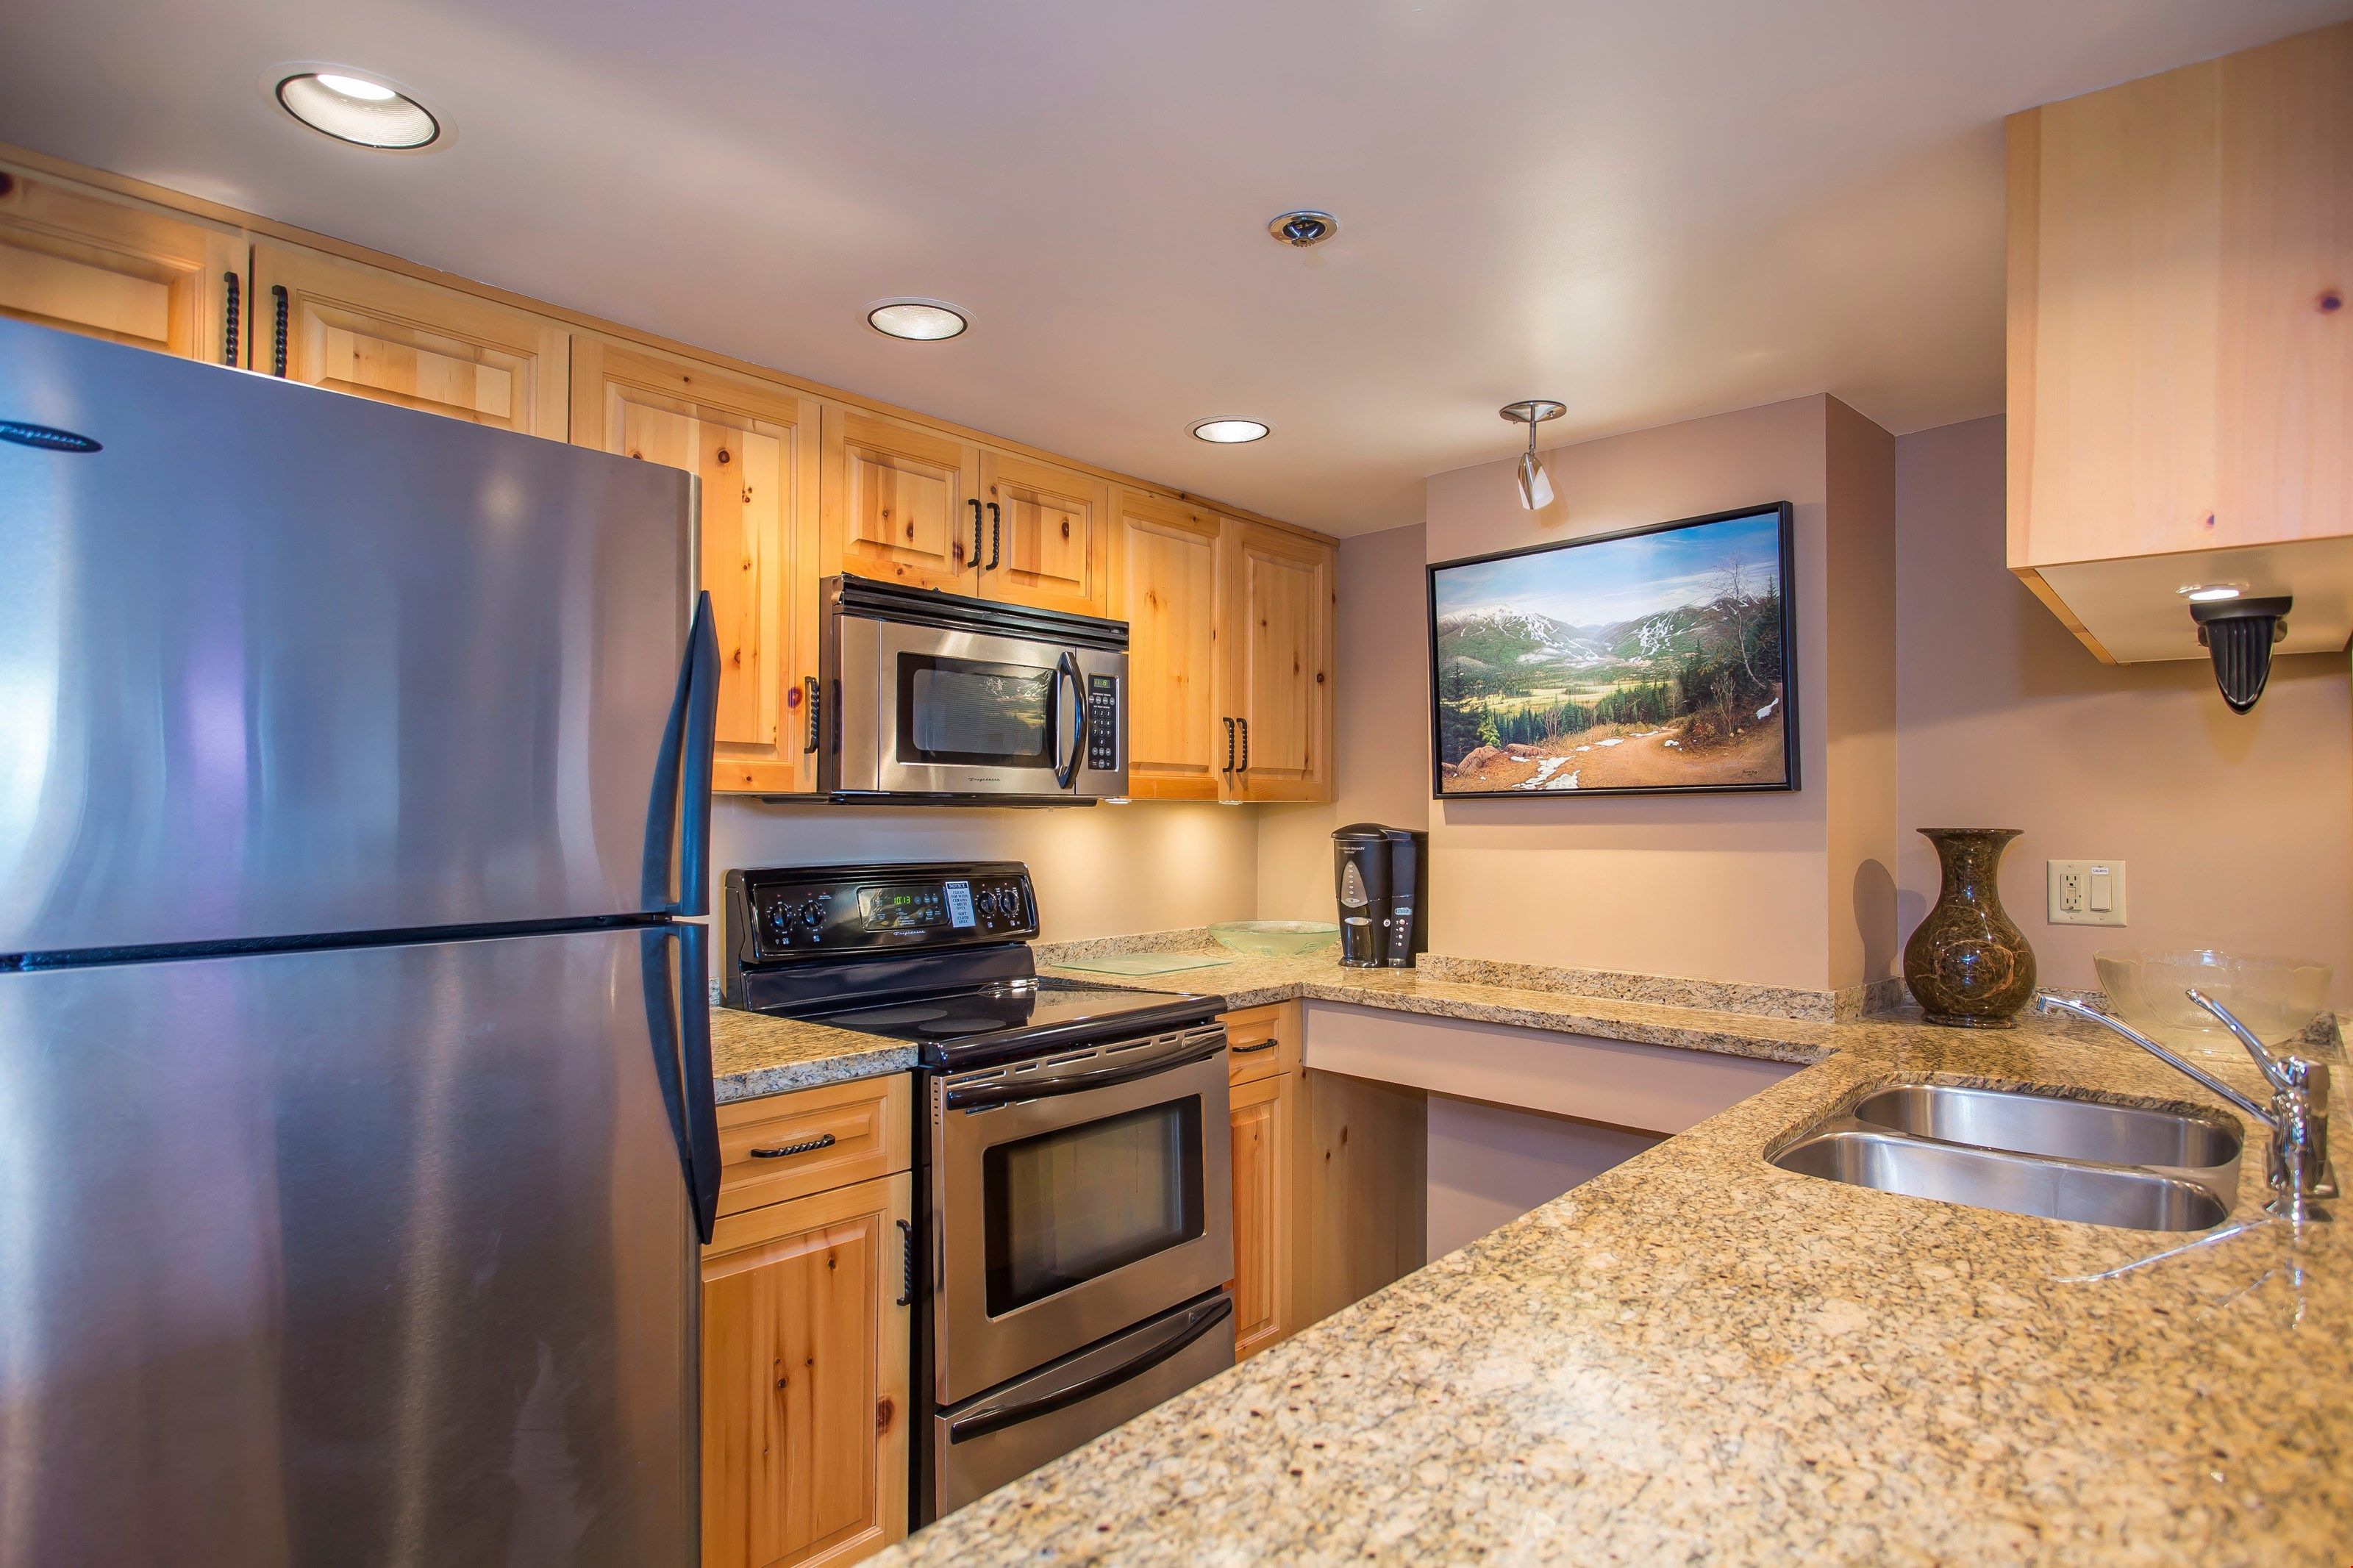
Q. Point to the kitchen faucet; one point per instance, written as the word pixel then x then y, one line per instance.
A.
pixel 2298 1116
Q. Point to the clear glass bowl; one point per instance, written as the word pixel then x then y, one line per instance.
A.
pixel 2275 997
pixel 1276 939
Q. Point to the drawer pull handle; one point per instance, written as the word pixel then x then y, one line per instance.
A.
pixel 822 1141
pixel 1249 1050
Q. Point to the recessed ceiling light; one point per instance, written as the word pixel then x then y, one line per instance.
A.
pixel 2212 592
pixel 1227 432
pixel 1303 227
pixel 921 320
pixel 355 109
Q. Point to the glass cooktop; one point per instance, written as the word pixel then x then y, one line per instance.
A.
pixel 1005 1007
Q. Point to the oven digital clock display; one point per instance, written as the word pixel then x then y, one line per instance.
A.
pixel 904 907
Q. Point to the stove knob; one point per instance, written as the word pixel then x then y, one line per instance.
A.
pixel 987 902
pixel 780 920
pixel 813 913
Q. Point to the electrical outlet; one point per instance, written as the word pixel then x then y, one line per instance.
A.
pixel 2087 892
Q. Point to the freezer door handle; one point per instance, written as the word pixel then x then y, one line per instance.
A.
pixel 701 738
pixel 688 743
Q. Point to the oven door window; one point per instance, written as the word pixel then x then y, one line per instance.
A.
pixel 1068 1206
pixel 974 712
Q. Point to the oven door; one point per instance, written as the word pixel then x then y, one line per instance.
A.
pixel 1075 1196
pixel 943 711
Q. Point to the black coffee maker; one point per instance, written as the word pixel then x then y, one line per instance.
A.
pixel 1383 882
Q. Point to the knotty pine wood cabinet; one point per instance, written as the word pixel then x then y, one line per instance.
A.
pixel 1266 1087
pixel 1275 631
pixel 89 263
pixel 901 502
pixel 755 446
pixel 1236 703
pixel 1168 579
pixel 1048 534
pixel 2180 349
pixel 806 1329
pixel 399 339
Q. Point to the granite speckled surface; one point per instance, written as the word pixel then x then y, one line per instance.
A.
pixel 1699 1357
pixel 752 1055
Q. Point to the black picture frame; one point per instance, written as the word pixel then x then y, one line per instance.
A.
pixel 1790 779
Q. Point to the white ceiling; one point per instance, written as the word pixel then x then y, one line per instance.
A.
pixel 1649 210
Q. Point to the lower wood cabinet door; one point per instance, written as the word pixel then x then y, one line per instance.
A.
pixel 1262 1188
pixel 805 1378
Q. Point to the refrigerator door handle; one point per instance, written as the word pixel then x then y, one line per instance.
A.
pixel 687 747
pixel 694 1064
pixel 678 1017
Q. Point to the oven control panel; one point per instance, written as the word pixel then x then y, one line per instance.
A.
pixel 1103 723
pixel 785 913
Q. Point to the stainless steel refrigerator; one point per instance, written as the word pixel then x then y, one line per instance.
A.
pixel 355 1121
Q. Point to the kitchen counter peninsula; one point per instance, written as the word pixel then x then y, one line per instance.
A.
pixel 1698 1356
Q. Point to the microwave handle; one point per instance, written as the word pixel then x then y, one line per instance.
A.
pixel 1069 719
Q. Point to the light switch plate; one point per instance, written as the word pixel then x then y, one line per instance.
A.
pixel 2087 892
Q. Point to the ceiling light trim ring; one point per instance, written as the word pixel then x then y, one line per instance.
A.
pixel 1236 422
pixel 289 80
pixel 875 308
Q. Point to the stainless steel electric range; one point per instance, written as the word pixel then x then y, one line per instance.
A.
pixel 1072 1167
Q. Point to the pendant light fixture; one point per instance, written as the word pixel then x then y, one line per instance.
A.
pixel 1535 485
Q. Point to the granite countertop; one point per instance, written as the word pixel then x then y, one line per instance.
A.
pixel 753 1054
pixel 1697 1355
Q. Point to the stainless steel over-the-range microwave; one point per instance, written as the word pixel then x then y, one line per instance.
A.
pixel 932 697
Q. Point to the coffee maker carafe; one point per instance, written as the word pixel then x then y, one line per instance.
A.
pixel 1381 876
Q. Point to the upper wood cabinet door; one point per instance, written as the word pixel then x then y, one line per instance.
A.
pixel 901 502
pixel 1048 537
pixel 1167 577
pixel 397 339
pixel 76 260
pixel 2180 349
pixel 1276 627
pixel 754 445
pixel 804 1379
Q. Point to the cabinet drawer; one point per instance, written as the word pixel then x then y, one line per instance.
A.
pixel 1254 1044
pixel 789 1145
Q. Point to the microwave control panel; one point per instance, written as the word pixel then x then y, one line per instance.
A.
pixel 1103 722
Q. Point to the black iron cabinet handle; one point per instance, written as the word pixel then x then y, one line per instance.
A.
pixel 229 314
pixel 1229 745
pixel 1245 725
pixel 808 1146
pixel 907 1247
pixel 810 693
pixel 277 343
pixel 975 532
pixel 995 535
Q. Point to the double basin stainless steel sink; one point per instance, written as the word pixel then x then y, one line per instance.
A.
pixel 2030 1153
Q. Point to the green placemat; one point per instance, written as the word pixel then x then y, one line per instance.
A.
pixel 1132 964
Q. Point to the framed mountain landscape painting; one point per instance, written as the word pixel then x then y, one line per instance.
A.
pixel 1651 660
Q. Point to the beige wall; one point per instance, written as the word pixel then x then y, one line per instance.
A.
pixel 1101 870
pixel 1381 724
pixel 2235 830
pixel 1859 720
pixel 1731 887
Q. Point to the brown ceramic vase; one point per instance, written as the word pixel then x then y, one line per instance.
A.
pixel 1967 965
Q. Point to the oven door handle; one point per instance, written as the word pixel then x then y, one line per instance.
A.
pixel 1070 718
pixel 975 1097
pixel 1181 1331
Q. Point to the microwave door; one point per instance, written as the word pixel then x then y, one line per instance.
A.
pixel 962 712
